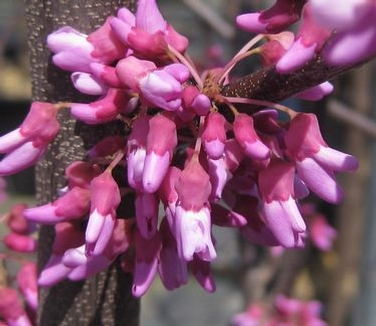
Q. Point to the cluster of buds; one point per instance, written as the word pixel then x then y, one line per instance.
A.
pixel 19 302
pixel 286 311
pixel 191 157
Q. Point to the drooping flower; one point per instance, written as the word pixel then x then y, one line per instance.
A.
pixel 26 144
pixel 315 161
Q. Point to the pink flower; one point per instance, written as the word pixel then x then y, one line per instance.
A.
pixel 173 270
pixel 148 34
pixel 272 20
pixel 355 34
pixel 105 197
pixel 161 141
pixel 20 242
pixel 27 282
pixel 192 214
pixel 75 51
pixel 74 204
pixel 321 232
pixel 316 162
pixel 248 139
pixel 25 145
pixel 157 87
pixel 147 209
pixel 136 151
pixel 103 110
pixel 278 205
pixel 16 220
pixel 214 135
pixel 310 39
pixel 11 308
pixel 146 264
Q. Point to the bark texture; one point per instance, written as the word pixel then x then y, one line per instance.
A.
pixel 106 298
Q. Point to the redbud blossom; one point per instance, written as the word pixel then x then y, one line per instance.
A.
pixel 248 139
pixel 193 226
pixel 315 161
pixel 11 308
pixel 27 282
pixel 214 135
pixel 161 141
pixel 25 145
pixel 103 110
pixel 105 197
pixel 273 20
pixel 278 206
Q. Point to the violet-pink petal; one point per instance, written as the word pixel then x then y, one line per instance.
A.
pixel 54 272
pixel 256 150
pixel 143 276
pixel 73 60
pixel 84 112
pixel 214 148
pixel 155 169
pixel 86 83
pixel 316 93
pixel 21 158
pixel 146 206
pixel 336 160
pixel 148 16
pixel 278 221
pixel 121 29
pixel 93 266
pixel 126 16
pixel 295 57
pixel 320 180
pixel 293 213
pixel 178 71
pixel 94 226
pixel 66 38
pixel 135 167
pixel 44 214
pixel 105 236
pixel 11 141
pixel 172 269
pixel 251 23
pixel 75 257
pixel 201 104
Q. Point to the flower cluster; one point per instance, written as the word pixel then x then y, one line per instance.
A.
pixel 19 302
pixel 286 311
pixel 191 157
pixel 342 32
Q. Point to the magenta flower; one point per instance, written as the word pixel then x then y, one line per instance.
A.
pixel 146 264
pixel 20 242
pixel 157 87
pixel 146 205
pixel 192 214
pixel 136 152
pixel 26 145
pixel 278 205
pixel 103 110
pixel 248 139
pixel 75 51
pixel 310 39
pixel 214 135
pixel 11 308
pixel 273 20
pixel 27 282
pixel 161 141
pixel 173 270
pixel 74 204
pixel 355 34
pixel 316 162
pixel 148 34
pixel 105 197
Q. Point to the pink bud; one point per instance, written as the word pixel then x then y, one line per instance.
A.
pixel 20 243
pixel 214 135
pixel 247 138
pixel 161 141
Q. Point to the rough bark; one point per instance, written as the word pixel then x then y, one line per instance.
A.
pixel 106 298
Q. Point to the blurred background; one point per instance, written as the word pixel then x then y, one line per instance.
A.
pixel 343 278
